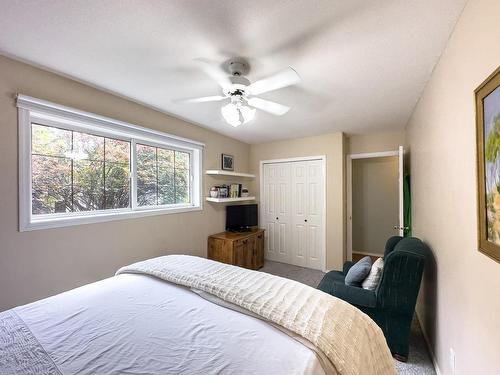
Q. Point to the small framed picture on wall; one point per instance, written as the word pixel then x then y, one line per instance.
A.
pixel 227 162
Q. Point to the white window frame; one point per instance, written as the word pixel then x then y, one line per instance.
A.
pixel 33 110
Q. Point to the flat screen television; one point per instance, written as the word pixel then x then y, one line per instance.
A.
pixel 241 217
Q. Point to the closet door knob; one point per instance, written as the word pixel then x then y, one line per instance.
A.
pixel 305 220
pixel 277 219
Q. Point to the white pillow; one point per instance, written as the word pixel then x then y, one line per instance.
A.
pixel 374 276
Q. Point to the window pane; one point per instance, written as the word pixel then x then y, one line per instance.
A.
pixel 46 140
pixel 181 160
pixel 166 189
pixel 50 170
pixel 165 176
pixel 88 185
pixel 51 184
pixel 146 175
pixel 117 189
pixel 146 155
pixel 166 194
pixel 117 197
pixel 87 146
pixel 166 158
pixel 181 186
pixel 146 195
pixel 117 151
pixel 48 199
pixel 87 199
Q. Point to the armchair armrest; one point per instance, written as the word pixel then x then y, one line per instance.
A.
pixel 354 295
pixel 347 267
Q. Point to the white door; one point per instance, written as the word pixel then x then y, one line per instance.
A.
pixel 294 233
pixel 276 205
pixel 315 216
pixel 299 214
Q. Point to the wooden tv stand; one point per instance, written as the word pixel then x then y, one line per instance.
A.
pixel 244 249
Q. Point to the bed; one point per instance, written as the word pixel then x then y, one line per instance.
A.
pixel 152 318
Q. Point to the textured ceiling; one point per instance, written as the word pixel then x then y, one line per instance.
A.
pixel 363 63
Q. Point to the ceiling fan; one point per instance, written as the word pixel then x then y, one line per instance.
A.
pixel 241 93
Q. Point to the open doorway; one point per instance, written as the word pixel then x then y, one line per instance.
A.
pixel 375 202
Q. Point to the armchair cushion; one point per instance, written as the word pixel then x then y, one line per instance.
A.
pixel 355 296
pixel 358 272
pixel 326 284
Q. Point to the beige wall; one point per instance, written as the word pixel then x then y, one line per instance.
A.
pixel 375 203
pixel 37 264
pixel 331 145
pixel 375 142
pixel 459 303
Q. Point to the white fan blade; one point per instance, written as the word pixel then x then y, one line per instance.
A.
pixel 215 98
pixel 268 106
pixel 283 78
pixel 214 72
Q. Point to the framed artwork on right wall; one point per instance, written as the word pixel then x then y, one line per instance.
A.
pixel 488 165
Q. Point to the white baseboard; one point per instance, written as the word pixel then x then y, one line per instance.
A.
pixel 429 348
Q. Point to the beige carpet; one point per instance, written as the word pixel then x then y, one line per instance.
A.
pixel 419 362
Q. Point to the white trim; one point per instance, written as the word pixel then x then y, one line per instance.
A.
pixel 321 158
pixel 288 160
pixel 32 110
pixel 429 348
pixel 218 172
pixel 42 107
pixel 348 215
pixel 350 158
pixel 401 173
pixel 103 217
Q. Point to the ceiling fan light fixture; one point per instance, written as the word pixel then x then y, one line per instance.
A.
pixel 236 114
pixel 247 113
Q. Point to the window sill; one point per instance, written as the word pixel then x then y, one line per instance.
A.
pixel 47 223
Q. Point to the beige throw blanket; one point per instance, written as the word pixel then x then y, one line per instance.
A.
pixel 350 339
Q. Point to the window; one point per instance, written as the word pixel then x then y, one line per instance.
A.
pixel 76 168
pixel 162 176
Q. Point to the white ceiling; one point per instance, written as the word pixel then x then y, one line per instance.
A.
pixel 363 63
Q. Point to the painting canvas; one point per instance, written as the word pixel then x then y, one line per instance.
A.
pixel 492 163
pixel 488 133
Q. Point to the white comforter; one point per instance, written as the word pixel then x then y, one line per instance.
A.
pixel 136 324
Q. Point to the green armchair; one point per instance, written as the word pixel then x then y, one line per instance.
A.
pixel 392 304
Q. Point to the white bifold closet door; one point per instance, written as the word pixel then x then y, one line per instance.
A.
pixel 293 204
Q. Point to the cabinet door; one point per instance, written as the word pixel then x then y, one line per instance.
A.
pixel 239 253
pixel 250 252
pixel 258 255
pixel 242 253
pixel 217 250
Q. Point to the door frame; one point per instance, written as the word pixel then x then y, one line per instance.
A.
pixel 322 159
pixel 350 158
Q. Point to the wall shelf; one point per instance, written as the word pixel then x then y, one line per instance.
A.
pixel 218 172
pixel 228 200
